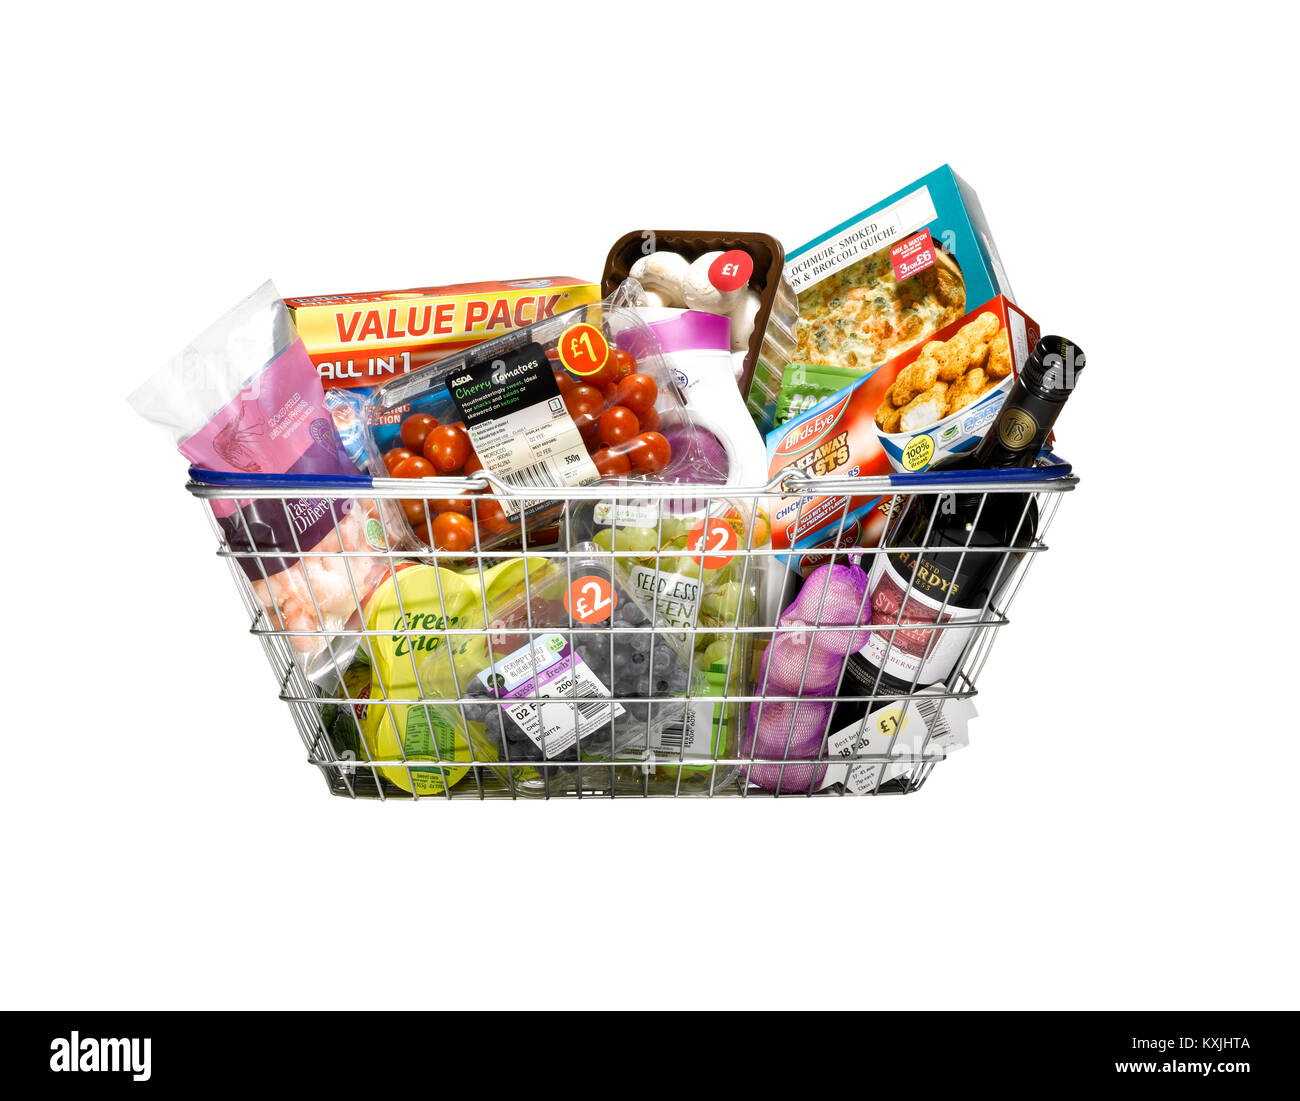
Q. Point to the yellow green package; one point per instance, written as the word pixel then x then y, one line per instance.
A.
pixel 412 607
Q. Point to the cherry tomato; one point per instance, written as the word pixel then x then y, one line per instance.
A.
pixel 649 420
pixel 587 427
pixel 395 456
pixel 415 428
pixel 414 467
pixel 638 392
pixel 422 532
pixel 452 504
pixel 584 399
pixel 624 363
pixel 617 424
pixel 414 512
pixel 452 531
pixel 612 463
pixel 447 448
pixel 553 353
pixel 649 452
pixel 472 464
pixel 492 516
pixel 610 390
pixel 564 380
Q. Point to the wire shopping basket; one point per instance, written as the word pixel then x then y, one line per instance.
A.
pixel 644 646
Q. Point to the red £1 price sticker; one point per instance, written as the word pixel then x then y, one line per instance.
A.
pixel 591 599
pixel 731 270
pixel 713 547
pixel 583 349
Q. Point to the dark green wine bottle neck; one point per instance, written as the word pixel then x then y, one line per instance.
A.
pixel 1020 431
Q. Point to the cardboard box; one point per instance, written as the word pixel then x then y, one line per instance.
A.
pixel 907 265
pixel 842 435
pixel 359 341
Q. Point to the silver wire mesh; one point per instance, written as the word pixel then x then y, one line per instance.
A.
pixel 671 734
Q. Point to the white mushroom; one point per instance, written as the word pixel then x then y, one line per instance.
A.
pixel 742 320
pixel 661 274
pixel 701 294
pixel 656 298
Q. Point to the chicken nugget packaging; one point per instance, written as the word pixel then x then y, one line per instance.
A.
pixel 936 399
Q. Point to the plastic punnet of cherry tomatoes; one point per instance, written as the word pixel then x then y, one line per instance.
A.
pixel 649 452
pixel 451 531
pixel 414 430
pixel 616 425
pixel 447 448
pixel 638 392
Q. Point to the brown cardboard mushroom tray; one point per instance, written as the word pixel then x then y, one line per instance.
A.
pixel 776 298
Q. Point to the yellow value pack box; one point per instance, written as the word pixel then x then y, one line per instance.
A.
pixel 359 341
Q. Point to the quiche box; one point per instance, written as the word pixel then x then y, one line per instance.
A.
pixel 360 341
pixel 881 282
pixel 843 434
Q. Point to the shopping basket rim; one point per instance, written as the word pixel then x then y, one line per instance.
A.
pixel 1055 475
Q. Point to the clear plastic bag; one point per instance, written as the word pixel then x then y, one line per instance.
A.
pixel 245 398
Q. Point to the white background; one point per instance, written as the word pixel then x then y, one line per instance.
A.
pixel 1122 832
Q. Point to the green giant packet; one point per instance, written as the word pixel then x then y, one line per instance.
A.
pixel 803 385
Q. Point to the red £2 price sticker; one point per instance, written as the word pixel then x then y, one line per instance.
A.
pixel 712 546
pixel 731 270
pixel 591 599
pixel 583 349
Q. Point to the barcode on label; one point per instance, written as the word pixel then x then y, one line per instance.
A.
pixel 931 715
pixel 591 710
pixel 672 738
pixel 542 474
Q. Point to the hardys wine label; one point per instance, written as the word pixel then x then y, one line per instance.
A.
pixel 919 642
pixel 1017 428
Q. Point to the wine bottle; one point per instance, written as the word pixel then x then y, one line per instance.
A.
pixel 966 545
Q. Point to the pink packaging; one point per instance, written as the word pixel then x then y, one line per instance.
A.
pixel 246 398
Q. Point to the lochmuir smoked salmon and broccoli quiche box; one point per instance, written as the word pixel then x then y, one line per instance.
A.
pixel 873 287
pixel 360 341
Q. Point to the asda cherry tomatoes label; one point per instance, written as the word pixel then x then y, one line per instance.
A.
pixel 712 545
pixel 583 349
pixel 731 270
pixel 591 599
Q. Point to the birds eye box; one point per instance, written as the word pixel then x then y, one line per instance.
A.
pixel 936 399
